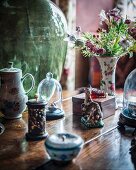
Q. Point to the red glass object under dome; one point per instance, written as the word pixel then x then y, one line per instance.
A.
pixel 97 93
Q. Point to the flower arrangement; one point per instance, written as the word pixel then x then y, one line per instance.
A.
pixel 117 37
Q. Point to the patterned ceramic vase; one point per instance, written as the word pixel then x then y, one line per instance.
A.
pixel 108 67
pixel 32 36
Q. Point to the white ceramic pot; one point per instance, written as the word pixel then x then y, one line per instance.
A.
pixel 13 97
pixel 63 146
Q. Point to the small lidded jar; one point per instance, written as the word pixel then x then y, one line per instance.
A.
pixel 63 147
pixel 36 120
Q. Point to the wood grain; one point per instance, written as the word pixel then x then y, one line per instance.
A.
pixel 105 148
pixel 110 151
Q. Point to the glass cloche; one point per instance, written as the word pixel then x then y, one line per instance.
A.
pixel 128 115
pixel 50 91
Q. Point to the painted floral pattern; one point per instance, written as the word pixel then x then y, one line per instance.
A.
pixel 11 105
pixel 14 91
pixel 108 65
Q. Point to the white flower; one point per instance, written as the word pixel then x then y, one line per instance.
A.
pixel 125 43
pixel 103 17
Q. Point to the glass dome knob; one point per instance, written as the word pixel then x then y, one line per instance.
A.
pixel 49 76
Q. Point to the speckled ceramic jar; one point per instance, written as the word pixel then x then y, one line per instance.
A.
pixel 36 120
pixel 13 97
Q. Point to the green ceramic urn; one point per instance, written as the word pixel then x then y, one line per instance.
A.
pixel 32 36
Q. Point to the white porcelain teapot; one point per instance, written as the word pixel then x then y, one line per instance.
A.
pixel 13 97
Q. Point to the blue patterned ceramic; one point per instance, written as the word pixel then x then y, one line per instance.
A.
pixel 63 146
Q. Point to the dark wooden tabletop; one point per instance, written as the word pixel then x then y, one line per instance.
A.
pixel 104 148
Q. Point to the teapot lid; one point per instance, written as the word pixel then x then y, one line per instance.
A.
pixel 10 69
pixel 64 141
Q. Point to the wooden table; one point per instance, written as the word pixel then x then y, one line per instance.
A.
pixel 104 148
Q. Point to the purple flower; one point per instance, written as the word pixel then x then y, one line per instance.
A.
pixel 123 31
pixel 132 32
pixel 94 49
pixel 88 44
pixel 101 51
pixel 114 12
pixel 127 21
pixel 116 18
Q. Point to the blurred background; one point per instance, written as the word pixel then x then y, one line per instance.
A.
pixel 79 71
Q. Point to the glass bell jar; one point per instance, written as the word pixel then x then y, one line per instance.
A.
pixel 128 115
pixel 50 90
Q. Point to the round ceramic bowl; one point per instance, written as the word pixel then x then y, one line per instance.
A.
pixel 63 146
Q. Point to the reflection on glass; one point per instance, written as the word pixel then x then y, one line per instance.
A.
pixel 1 128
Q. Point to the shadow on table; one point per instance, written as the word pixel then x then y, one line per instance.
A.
pixel 131 133
pixel 51 165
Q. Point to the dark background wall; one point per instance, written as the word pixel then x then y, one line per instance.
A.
pixel 87 70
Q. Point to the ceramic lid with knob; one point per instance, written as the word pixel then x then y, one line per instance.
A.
pixel 36 102
pixel 10 69
pixel 33 102
pixel 63 141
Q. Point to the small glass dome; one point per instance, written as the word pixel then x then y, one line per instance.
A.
pixel 50 91
pixel 129 96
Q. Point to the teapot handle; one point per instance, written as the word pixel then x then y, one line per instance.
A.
pixel 33 81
